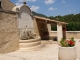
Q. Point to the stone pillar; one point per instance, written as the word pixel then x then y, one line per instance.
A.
pixel 59 32
pixel 64 31
pixel 49 27
pixel 36 27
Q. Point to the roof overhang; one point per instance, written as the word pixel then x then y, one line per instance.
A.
pixel 46 20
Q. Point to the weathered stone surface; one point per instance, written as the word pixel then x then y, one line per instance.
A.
pixel 26 34
pixel 8 31
pixel 7 5
pixel 31 34
pixel 31 44
pixel 8 43
pixel 35 27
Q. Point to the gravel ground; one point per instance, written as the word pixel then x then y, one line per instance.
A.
pixel 47 51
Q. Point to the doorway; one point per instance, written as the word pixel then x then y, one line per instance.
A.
pixel 43 30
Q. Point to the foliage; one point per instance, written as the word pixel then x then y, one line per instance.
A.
pixel 38 14
pixel 54 27
pixel 67 43
pixel 73 21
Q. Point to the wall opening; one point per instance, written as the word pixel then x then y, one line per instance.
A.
pixel 43 30
pixel 0 5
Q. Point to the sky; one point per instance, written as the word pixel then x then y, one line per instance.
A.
pixel 52 7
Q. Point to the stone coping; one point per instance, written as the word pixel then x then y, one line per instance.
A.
pixel 66 31
pixel 7 11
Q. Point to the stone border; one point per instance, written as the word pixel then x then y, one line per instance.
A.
pixel 7 11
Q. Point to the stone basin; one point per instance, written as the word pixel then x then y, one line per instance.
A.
pixel 31 44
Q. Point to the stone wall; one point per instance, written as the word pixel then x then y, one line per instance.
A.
pixel 9 39
pixel 69 34
pixel 75 34
pixel 0 15
pixel 35 27
pixel 7 5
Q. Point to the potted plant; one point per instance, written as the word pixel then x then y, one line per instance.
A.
pixel 67 49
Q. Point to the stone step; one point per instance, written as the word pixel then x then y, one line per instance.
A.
pixel 30 48
pixel 31 44
pixel 30 40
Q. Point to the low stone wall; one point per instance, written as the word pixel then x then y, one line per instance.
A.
pixel 69 34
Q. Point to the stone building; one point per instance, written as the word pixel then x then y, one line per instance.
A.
pixel 8 28
pixel 18 26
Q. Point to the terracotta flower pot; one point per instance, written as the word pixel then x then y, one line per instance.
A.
pixel 67 53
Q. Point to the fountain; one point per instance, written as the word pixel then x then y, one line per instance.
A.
pixel 28 39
